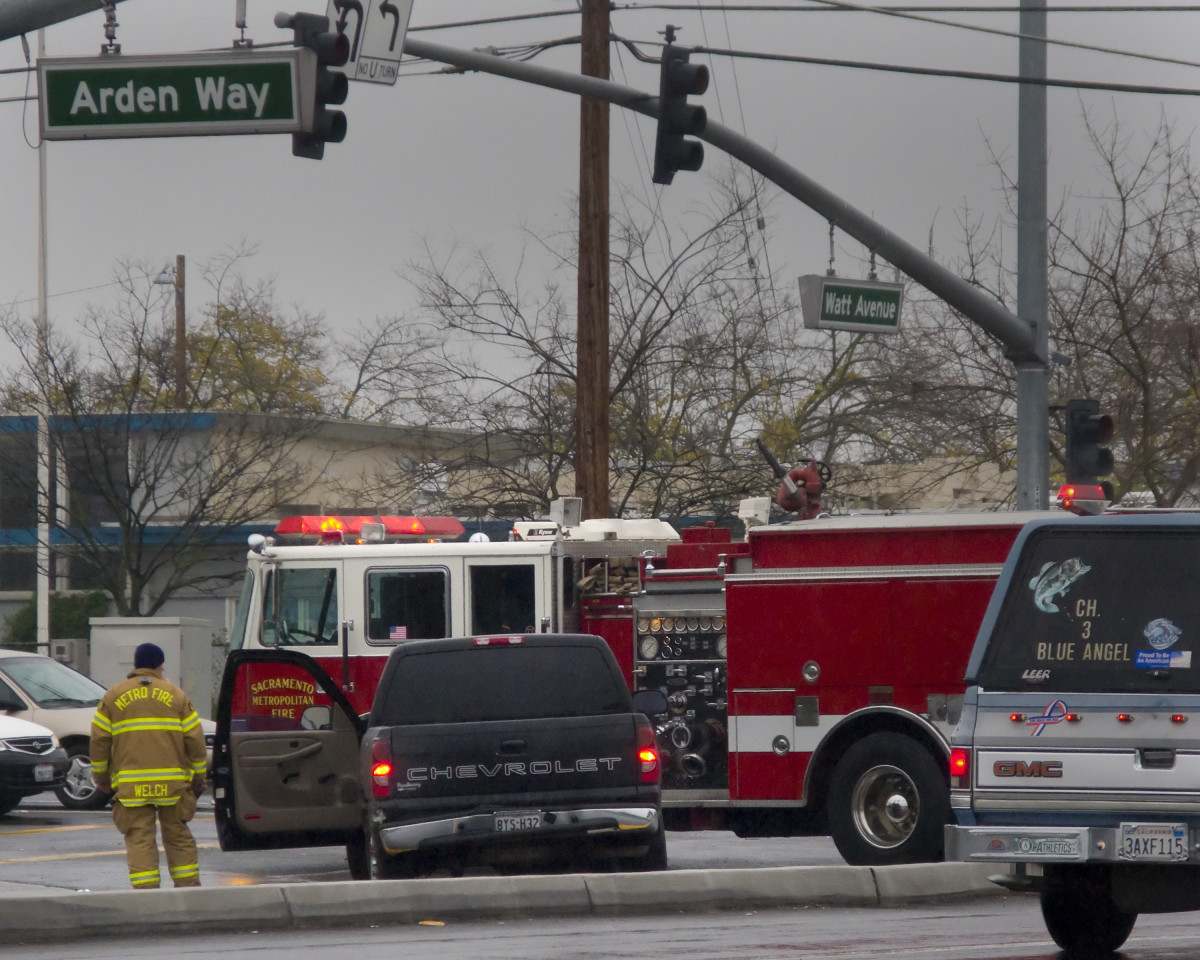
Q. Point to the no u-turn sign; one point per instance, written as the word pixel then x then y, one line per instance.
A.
pixel 376 30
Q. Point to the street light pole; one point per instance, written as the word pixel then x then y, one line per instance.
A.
pixel 180 338
pixel 177 281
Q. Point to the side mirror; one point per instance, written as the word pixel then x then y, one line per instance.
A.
pixel 650 702
pixel 10 701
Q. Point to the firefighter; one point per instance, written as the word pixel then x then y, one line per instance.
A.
pixel 148 751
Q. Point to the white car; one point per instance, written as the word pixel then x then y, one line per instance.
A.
pixel 42 690
pixel 30 761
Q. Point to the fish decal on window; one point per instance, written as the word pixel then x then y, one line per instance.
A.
pixel 1054 580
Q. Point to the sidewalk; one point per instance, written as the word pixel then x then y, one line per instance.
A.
pixel 33 913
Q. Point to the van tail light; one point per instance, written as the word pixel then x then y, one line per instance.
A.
pixel 960 768
pixel 647 753
pixel 381 769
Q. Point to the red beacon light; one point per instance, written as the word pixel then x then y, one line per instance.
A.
pixel 329 528
pixel 1085 499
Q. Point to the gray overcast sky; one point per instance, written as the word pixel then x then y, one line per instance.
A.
pixel 472 158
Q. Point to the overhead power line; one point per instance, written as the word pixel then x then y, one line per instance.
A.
pixel 960 74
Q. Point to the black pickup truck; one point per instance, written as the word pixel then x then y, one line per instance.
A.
pixel 511 751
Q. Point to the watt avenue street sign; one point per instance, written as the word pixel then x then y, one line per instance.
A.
pixel 868 306
pixel 170 96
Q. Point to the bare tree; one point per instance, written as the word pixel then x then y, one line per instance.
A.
pixel 144 495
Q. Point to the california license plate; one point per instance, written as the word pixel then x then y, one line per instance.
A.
pixel 43 772
pixel 517 821
pixel 1154 841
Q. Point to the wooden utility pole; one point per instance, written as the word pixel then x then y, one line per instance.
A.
pixel 591 367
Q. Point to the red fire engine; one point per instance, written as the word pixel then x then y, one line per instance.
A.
pixel 813 671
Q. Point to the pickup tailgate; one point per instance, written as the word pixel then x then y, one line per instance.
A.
pixel 518 761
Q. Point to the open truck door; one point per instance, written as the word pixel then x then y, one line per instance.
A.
pixel 286 759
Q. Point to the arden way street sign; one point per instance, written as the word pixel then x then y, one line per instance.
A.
pixel 170 96
pixel 869 306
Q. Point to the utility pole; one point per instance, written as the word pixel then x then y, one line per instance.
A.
pixel 1033 403
pixel 592 360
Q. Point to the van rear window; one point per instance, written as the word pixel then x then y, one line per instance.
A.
pixel 1100 610
pixel 501 683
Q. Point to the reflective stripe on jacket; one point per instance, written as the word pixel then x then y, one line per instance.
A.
pixel 147 742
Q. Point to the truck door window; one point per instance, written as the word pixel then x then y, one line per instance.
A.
pixel 300 607
pixel 406 605
pixel 502 599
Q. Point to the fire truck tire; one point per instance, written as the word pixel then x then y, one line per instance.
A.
pixel 888 802
pixel 1080 915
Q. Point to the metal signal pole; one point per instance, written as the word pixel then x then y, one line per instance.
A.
pixel 592 360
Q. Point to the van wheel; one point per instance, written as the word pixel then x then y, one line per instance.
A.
pixel 9 802
pixel 78 791
pixel 1080 915
pixel 888 802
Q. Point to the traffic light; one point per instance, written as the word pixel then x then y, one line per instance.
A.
pixel 319 85
pixel 677 119
pixel 1087 431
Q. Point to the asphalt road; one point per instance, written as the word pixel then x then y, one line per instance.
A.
pixel 44 845
pixel 62 875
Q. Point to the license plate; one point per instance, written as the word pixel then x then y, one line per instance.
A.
pixel 1154 841
pixel 43 772
pixel 517 821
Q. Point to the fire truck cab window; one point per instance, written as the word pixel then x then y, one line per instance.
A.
pixel 300 607
pixel 502 599
pixel 406 605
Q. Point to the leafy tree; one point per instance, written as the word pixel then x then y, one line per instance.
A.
pixel 70 617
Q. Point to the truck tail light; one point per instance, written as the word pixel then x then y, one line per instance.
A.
pixel 647 753
pixel 960 767
pixel 381 769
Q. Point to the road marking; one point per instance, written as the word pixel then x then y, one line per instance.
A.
pixel 94 853
pixel 86 826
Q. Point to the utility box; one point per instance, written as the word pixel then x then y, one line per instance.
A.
pixel 72 652
pixel 187 644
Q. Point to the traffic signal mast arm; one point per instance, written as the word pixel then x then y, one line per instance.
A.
pixel 982 310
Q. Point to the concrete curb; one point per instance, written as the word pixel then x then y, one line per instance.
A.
pixel 275 906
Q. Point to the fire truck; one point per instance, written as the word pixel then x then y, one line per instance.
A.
pixel 813 669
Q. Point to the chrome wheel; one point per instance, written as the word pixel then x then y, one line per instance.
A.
pixel 885 805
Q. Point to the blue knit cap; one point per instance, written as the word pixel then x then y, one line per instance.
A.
pixel 148 655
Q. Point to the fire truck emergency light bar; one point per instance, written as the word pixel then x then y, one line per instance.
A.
pixel 363 529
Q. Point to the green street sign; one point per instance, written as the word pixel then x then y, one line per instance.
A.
pixel 170 96
pixel 869 306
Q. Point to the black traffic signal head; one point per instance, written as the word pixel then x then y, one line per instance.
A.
pixel 1087 430
pixel 326 86
pixel 679 79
